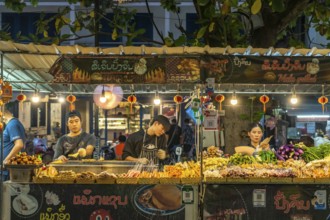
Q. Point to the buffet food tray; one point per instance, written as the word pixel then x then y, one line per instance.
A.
pixel 80 166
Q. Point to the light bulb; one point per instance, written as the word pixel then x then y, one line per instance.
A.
pixel 233 101
pixel 61 99
pixel 294 99
pixel 157 101
pixel 35 98
pixel 103 99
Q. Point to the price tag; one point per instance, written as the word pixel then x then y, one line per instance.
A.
pixel 178 150
pixel 187 195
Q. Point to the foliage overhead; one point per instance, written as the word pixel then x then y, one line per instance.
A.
pixel 259 23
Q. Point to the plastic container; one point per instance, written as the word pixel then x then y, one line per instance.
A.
pixel 21 173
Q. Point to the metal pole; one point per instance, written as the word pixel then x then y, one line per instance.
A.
pixel 1 147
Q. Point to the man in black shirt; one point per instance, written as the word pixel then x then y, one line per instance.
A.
pixel 148 146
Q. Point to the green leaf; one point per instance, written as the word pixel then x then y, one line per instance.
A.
pixel 211 27
pixel 278 5
pixel 66 20
pixel 34 2
pixel 181 41
pixel 256 7
pixel 201 32
pixel 168 42
pixel 225 9
pixel 114 34
pixel 58 25
pixel 234 3
pixel 202 2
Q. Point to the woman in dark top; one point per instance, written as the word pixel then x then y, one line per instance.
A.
pixel 255 133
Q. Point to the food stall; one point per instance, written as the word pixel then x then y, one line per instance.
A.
pixel 225 191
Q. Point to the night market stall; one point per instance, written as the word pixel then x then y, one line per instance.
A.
pixel 217 185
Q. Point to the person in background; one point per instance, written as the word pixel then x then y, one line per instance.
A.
pixel 270 129
pixel 120 147
pixel 148 146
pixel 13 136
pixel 307 140
pixel 57 130
pixel 174 135
pixel 188 137
pixel 76 141
pixel 320 138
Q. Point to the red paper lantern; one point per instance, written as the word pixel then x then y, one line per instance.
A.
pixel 264 99
pixel 131 99
pixel 323 100
pixel 178 99
pixel 220 98
pixel 21 97
pixel 71 99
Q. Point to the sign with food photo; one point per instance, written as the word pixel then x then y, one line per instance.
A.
pixel 265 69
pixel 109 69
pixel 92 202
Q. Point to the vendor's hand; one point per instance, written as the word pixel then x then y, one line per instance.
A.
pixel 265 146
pixel 62 158
pixel 82 152
pixel 161 154
pixel 143 160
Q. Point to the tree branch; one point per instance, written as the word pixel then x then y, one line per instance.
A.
pixel 153 22
pixel 293 10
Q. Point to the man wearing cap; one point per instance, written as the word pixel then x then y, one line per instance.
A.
pixel 148 147
pixel 77 141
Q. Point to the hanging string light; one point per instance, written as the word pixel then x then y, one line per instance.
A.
pixel 264 99
pixel 233 100
pixel 323 99
pixel 103 99
pixel 157 100
pixel 294 99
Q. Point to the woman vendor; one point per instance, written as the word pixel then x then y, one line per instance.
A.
pixel 255 134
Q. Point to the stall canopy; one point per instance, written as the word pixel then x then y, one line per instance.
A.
pixel 53 69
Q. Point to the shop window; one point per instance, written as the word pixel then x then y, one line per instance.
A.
pixel 144 21
pixel 191 25
pixel 105 38
pixel 25 23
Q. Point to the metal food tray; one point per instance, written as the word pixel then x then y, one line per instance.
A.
pixel 79 166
